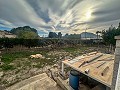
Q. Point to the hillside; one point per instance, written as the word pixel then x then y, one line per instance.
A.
pixel 25 32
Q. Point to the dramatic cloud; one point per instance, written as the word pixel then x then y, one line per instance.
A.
pixel 72 16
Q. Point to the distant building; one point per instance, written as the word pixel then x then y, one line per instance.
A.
pixel 92 38
pixel 4 34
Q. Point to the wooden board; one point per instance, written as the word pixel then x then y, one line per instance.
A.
pixel 95 73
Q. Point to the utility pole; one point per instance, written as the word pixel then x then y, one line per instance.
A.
pixel 85 34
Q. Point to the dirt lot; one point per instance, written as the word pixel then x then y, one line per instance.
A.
pixel 17 66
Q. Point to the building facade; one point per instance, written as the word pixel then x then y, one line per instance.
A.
pixel 4 34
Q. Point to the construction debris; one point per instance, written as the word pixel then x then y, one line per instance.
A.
pixel 36 56
pixel 91 59
pixel 87 70
pixel 101 64
pixel 105 71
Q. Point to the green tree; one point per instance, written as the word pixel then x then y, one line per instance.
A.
pixel 27 35
pixel 25 32
pixel 52 35
pixel 97 33
pixel 59 35
pixel 108 35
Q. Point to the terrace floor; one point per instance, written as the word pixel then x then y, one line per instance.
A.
pixel 38 82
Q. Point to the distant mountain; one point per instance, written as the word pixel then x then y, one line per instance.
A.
pixel 25 32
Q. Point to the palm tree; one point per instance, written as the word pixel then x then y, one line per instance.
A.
pixel 97 32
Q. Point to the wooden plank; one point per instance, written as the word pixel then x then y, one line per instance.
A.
pixel 95 73
pixel 90 59
pixel 104 71
pixel 101 64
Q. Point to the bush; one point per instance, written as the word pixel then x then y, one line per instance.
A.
pixel 7 67
pixel 7 59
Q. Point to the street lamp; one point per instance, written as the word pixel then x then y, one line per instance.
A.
pixel 85 34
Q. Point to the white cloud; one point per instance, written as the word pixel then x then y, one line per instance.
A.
pixel 72 16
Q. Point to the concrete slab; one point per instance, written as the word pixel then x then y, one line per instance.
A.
pixel 38 82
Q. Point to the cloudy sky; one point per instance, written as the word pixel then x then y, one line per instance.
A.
pixel 66 16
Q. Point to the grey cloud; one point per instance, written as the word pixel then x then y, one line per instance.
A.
pixel 62 14
pixel 107 11
pixel 1 23
pixel 106 18
pixel 42 14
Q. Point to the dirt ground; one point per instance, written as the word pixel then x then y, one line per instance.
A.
pixel 17 66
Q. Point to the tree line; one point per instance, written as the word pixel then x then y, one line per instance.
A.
pixel 11 42
pixel 54 39
pixel 109 34
pixel 54 35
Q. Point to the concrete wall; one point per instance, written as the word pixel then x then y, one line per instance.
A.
pixel 116 77
pixel 10 36
pixel 4 34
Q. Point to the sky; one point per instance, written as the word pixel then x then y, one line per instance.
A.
pixel 66 16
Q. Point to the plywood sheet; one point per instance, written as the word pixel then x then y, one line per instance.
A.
pixel 95 72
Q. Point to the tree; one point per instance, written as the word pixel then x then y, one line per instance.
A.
pixel 97 32
pixel 52 35
pixel 27 35
pixel 108 35
pixel 59 35
pixel 118 26
pixel 25 32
